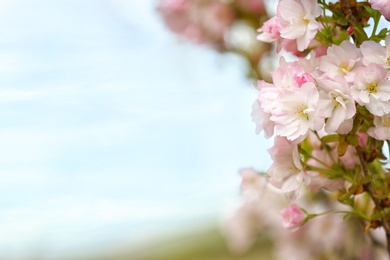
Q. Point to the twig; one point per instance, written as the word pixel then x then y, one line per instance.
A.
pixel 368 187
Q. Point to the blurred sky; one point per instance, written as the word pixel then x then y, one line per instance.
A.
pixel 111 128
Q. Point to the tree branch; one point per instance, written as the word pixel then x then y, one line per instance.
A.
pixel 368 187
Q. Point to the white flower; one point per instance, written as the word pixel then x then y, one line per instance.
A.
pixel 297 112
pixel 286 172
pixel 373 52
pixel 262 120
pixel 262 108
pixel 269 32
pixel 297 21
pixel 335 102
pixel 372 89
pixel 381 130
pixel 382 6
pixel 341 60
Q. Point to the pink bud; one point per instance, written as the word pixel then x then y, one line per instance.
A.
pixel 350 30
pixel 292 217
pixel 302 79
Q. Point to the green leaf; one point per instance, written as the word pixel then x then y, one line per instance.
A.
pixel 381 35
pixel 375 14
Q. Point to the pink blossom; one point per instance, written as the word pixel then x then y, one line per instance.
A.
pixel 341 60
pixel 291 75
pixel 372 89
pixel 269 31
pixel 284 77
pixel 292 217
pixel 262 120
pixel 286 172
pixel 297 112
pixel 373 52
pixel 263 107
pixel 381 131
pixel 336 103
pixel 303 78
pixel 297 21
pixel 268 95
pixel 382 6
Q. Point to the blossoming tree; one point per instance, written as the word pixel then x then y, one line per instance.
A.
pixel 328 111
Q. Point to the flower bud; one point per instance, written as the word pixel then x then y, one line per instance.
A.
pixel 350 30
pixel 292 217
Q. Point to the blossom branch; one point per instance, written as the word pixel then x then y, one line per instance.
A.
pixel 368 187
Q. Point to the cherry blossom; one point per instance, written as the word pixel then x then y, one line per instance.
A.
pixel 283 77
pixel 297 21
pixel 371 89
pixel 327 107
pixel 381 131
pixel 286 172
pixel 269 31
pixel 262 108
pixel 336 103
pixel 292 217
pixel 382 6
pixel 297 112
pixel 341 60
pixel 373 52
pixel 262 120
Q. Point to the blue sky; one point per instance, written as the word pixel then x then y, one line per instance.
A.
pixel 111 128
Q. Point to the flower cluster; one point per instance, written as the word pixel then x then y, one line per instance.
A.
pixel 329 108
pixel 325 95
pixel 294 27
